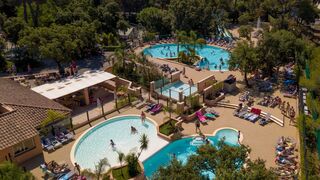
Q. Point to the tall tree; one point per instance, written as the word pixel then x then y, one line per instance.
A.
pixel 225 162
pixel 243 58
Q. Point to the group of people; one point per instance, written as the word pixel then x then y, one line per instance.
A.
pixel 164 51
pixel 287 110
pixel 285 157
pixel 270 101
pixel 72 69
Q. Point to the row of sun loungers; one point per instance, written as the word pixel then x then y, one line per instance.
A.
pixel 253 115
pixel 51 143
pixel 154 108
pixel 209 114
pixel 285 158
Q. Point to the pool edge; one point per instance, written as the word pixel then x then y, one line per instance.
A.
pixel 72 155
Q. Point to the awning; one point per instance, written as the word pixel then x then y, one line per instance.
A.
pixel 72 84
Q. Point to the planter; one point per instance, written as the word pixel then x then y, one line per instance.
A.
pixel 213 102
pixel 191 116
pixel 171 136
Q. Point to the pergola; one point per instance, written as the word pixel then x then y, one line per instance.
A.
pixel 74 84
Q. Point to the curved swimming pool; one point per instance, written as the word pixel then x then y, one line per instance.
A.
pixel 184 148
pixel 211 54
pixel 94 144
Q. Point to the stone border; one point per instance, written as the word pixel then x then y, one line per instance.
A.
pixel 72 158
pixel 241 134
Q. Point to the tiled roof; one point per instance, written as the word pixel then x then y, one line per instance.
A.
pixel 29 109
pixel 13 93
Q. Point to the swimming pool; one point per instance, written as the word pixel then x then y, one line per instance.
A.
pixel 94 144
pixel 213 55
pixel 183 148
pixel 175 88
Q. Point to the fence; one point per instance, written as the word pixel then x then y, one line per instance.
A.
pixel 97 112
pixel 161 83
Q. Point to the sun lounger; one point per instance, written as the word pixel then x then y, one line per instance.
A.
pixel 61 138
pixel 150 107
pixel 210 115
pixel 55 143
pixel 212 111
pixel 201 117
pixel 242 112
pixel 249 114
pixel 256 115
pixel 46 145
pixel 265 120
pixel 156 109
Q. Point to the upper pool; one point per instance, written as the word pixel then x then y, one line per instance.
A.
pixel 94 144
pixel 184 148
pixel 214 56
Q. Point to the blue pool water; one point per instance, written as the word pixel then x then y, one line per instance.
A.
pixel 95 144
pixel 183 148
pixel 175 88
pixel 210 53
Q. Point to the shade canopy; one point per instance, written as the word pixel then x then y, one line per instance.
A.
pixel 72 84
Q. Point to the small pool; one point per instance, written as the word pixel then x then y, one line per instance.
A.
pixel 213 55
pixel 175 88
pixel 185 147
pixel 94 144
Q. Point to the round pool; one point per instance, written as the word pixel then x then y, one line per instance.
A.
pixel 185 147
pixel 213 56
pixel 94 144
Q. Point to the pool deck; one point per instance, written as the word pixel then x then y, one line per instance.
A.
pixel 262 140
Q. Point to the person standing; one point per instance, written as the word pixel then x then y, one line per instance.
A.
pixel 77 166
pixel 239 135
pixel 143 117
pixel 288 109
pixel 197 126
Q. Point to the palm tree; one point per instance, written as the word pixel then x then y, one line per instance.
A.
pixel 144 141
pixel 194 41
pixel 99 168
pixel 120 55
pixel 181 39
pixel 121 158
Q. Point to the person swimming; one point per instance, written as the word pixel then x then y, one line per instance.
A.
pixel 133 130
pixel 112 143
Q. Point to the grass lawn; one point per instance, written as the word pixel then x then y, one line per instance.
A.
pixel 116 173
pixel 167 128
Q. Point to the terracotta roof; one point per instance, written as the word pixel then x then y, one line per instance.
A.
pixel 13 93
pixel 28 110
